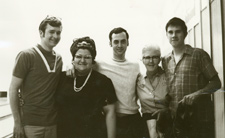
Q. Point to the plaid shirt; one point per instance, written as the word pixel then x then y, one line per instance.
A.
pixel 189 75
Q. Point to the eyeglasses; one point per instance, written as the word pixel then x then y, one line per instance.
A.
pixel 86 57
pixel 50 17
pixel 147 58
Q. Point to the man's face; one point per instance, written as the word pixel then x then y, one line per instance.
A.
pixel 51 36
pixel 119 44
pixel 175 36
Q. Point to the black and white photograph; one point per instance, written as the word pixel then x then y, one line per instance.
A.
pixel 112 69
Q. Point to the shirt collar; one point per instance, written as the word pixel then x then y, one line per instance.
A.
pixel 188 50
pixel 160 72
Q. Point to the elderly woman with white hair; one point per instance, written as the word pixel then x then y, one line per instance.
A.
pixel 153 94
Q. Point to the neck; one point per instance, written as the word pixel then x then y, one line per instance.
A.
pixel 150 74
pixel 119 58
pixel 179 50
pixel 78 73
pixel 49 49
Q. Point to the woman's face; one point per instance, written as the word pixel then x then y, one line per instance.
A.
pixel 82 62
pixel 151 59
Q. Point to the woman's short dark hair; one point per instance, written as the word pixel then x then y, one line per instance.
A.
pixel 84 43
pixel 177 22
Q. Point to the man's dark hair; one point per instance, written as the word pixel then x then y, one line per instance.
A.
pixel 177 22
pixel 117 31
pixel 51 20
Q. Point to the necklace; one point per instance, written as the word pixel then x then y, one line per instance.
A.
pixel 79 89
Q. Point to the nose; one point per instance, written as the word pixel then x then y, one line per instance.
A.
pixel 150 60
pixel 82 59
pixel 174 34
pixel 119 44
pixel 55 35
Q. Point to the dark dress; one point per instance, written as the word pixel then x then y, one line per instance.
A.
pixel 80 114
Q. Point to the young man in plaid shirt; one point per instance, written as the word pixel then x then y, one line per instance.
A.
pixel 191 77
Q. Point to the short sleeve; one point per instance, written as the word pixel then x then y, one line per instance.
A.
pixel 206 66
pixel 22 65
pixel 110 95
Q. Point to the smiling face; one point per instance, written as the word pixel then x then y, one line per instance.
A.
pixel 82 62
pixel 51 37
pixel 119 44
pixel 175 36
pixel 151 59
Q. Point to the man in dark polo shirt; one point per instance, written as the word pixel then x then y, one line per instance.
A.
pixel 35 77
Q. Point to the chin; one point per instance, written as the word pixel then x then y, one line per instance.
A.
pixel 82 70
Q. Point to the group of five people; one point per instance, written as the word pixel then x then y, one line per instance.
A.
pixel 99 99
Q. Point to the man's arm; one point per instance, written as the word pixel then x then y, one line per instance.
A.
pixel 16 82
pixel 110 120
pixel 213 85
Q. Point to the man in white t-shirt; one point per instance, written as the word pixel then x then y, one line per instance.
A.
pixel 123 74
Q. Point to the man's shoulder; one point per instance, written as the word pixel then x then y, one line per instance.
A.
pixel 100 77
pixel 193 49
pixel 112 62
pixel 196 51
pixel 167 57
pixel 132 61
pixel 26 52
pixel 30 50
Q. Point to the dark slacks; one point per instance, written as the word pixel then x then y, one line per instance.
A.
pixel 129 126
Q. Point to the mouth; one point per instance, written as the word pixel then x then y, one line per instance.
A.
pixel 53 40
pixel 82 64
pixel 174 39
pixel 120 50
pixel 151 65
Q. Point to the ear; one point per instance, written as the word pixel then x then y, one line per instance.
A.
pixel 110 43
pixel 41 33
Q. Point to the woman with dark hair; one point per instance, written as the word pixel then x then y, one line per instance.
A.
pixel 86 102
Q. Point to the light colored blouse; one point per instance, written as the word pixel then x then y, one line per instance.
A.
pixel 153 96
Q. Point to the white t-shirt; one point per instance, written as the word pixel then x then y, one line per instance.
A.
pixel 124 77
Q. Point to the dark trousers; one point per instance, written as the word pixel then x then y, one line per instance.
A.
pixel 195 121
pixel 129 126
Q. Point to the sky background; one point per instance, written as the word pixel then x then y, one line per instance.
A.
pixel 144 20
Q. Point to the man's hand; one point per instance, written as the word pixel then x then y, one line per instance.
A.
pixel 18 131
pixel 70 71
pixel 190 99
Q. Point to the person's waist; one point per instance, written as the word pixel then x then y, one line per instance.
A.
pixel 125 115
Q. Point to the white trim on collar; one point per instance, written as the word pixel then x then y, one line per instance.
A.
pixel 45 61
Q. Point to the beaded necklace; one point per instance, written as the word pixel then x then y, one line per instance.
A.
pixel 79 89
